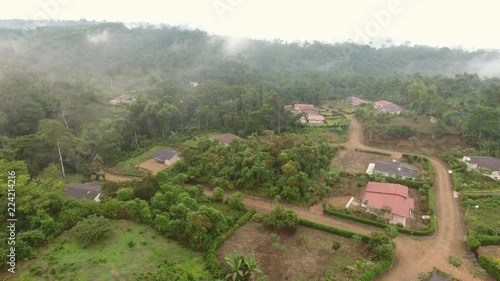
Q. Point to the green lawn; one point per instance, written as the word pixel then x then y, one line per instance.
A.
pixel 195 140
pixel 329 134
pixel 128 166
pixel 486 218
pixel 113 259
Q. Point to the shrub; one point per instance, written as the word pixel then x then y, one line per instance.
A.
pixel 492 267
pixel 280 218
pixel 92 229
pixel 131 244
pixel 455 261
pixel 218 195
pixel 236 201
pixel 472 243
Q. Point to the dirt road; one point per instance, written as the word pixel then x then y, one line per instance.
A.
pixel 414 254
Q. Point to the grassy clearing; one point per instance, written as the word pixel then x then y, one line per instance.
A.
pixel 329 134
pixel 420 124
pixel 486 218
pixel 129 166
pixel 195 140
pixel 113 259
pixel 74 178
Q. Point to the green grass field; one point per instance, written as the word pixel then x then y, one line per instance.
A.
pixel 128 166
pixel 330 134
pixel 195 140
pixel 112 259
pixel 486 218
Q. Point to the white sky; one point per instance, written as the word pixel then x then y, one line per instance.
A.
pixel 458 23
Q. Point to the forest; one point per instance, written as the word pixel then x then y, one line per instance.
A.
pixel 57 80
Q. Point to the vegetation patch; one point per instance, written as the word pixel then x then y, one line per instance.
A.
pixel 308 253
pixel 112 259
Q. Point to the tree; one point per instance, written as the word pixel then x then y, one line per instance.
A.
pixel 282 219
pixel 53 132
pixel 236 201
pixel 218 194
pixel 92 229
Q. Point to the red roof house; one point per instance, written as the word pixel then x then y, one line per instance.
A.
pixel 379 195
pixel 357 102
pixel 388 107
pixel 301 106
pixel 226 139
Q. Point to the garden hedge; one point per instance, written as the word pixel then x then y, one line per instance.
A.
pixel 492 267
pixel 375 271
pixel 488 240
pixel 211 261
pixel 331 229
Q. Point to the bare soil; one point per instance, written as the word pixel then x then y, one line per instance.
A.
pixel 492 251
pixel 337 202
pixel 305 254
pixel 355 161
pixel 152 166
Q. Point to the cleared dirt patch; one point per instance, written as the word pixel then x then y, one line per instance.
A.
pixel 152 166
pixel 492 251
pixel 304 255
pixel 356 161
pixel 337 202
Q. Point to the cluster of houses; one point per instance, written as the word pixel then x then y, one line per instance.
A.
pixel 382 105
pixel 310 113
pixel 391 199
pixel 168 157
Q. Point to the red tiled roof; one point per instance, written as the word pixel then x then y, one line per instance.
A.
pixel 302 106
pixel 357 102
pixel 312 116
pixel 393 195
pixel 387 105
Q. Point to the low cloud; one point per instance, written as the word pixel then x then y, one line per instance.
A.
pixel 485 66
pixel 98 38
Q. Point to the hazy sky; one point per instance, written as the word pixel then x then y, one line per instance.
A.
pixel 466 23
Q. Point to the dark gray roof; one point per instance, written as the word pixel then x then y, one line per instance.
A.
pixel 164 154
pixel 436 276
pixel 83 190
pixel 488 162
pixel 396 169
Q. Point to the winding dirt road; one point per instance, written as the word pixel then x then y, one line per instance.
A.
pixel 414 254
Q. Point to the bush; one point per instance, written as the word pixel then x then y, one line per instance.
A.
pixel 455 261
pixel 492 267
pixel 334 230
pixel 92 229
pixel 472 243
pixel 236 201
pixel 218 195
pixel 280 218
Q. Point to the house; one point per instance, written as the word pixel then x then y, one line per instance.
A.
pixel 226 139
pixel 486 162
pixel 356 102
pixel 310 110
pixel 378 196
pixel 122 99
pixel 90 191
pixel 388 107
pixel 392 169
pixel 313 118
pixel 300 106
pixel 437 276
pixel 166 156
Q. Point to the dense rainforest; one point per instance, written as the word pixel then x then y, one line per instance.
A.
pixel 56 83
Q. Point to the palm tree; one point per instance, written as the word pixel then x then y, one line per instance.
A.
pixel 241 268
